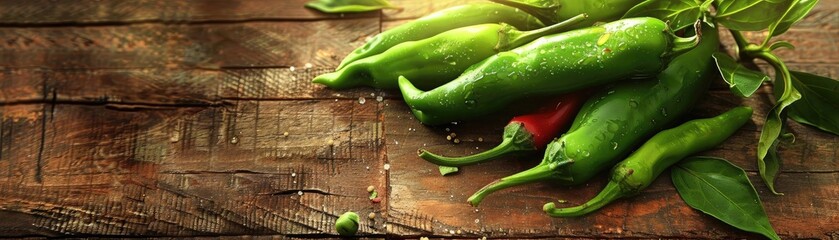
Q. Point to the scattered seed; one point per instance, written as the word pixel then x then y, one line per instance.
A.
pixel 234 140
pixel 371 188
pixel 361 100
pixel 387 166
pixel 308 65
pixel 300 193
pixel 285 134
pixel 371 216
pixel 449 137
pixel 457 140
pixel 480 139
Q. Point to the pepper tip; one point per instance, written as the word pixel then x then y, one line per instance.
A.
pixel 327 79
pixel 474 201
pixel 548 207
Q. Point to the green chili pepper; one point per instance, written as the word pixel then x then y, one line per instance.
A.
pixel 666 148
pixel 348 6
pixel 347 224
pixel 433 61
pixel 441 21
pixel 552 11
pixel 617 119
pixel 550 66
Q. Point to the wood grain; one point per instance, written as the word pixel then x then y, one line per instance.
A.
pixel 160 86
pixel 266 167
pixel 198 118
pixel 105 12
pixel 210 46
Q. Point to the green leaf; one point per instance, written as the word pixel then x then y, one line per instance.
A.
pixel 446 170
pixel 348 6
pixel 819 104
pixel 772 166
pixel 373 194
pixel 768 137
pixel 796 12
pixel 750 15
pixel 679 13
pixel 722 190
pixel 741 80
pixel 774 123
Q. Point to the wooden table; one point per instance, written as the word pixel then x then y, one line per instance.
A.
pixel 197 118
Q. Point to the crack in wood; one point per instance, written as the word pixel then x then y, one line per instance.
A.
pixel 290 192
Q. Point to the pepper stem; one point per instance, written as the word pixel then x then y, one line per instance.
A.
pixel 506 146
pixel 610 193
pixel 516 138
pixel 511 38
pixel 539 173
pixel 684 44
pixel 545 14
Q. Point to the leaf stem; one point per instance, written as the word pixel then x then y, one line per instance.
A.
pixel 781 69
pixel 742 43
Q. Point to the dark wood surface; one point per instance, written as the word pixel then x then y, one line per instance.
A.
pixel 198 118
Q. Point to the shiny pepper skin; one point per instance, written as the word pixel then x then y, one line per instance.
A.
pixel 550 66
pixel 666 148
pixel 553 11
pixel 529 132
pixel 433 61
pixel 441 21
pixel 348 6
pixel 618 118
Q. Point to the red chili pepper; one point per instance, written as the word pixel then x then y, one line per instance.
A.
pixel 523 133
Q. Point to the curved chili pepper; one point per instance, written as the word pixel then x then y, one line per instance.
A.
pixel 618 118
pixel 523 133
pixel 441 21
pixel 632 175
pixel 550 66
pixel 552 11
pixel 348 6
pixel 433 61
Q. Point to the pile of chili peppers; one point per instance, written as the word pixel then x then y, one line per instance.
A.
pixel 617 85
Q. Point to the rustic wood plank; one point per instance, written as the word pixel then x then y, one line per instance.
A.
pixel 268 167
pixel 209 46
pixel 130 123
pixel 424 203
pixel 46 12
pixel 158 86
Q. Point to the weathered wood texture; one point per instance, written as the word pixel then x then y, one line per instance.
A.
pixel 197 118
